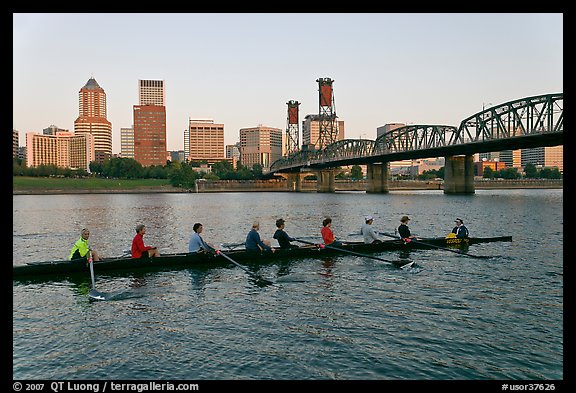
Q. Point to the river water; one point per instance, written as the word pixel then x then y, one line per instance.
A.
pixel 449 317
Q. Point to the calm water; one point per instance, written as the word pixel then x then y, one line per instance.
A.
pixel 448 318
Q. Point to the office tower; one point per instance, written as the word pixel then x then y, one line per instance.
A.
pixel 151 92
pixel 233 153
pixel 150 123
pixel 64 149
pixel 127 142
pixel 15 142
pixel 52 130
pixel 206 140
pixel 311 131
pixel 260 145
pixel 546 157
pixel 150 135
pixel 92 119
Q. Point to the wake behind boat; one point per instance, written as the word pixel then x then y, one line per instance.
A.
pixel 185 260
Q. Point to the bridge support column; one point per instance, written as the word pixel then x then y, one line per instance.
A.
pixel 325 182
pixel 459 175
pixel 294 182
pixel 377 178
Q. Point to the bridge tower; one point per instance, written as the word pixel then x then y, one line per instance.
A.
pixel 326 113
pixel 292 128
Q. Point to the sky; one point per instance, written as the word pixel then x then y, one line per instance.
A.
pixel 241 69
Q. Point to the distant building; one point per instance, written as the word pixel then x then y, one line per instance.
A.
pixel 92 119
pixel 65 150
pixel 405 167
pixel 387 128
pixel 546 157
pixel 311 131
pixel 127 142
pixel 511 158
pixel 233 153
pixel 52 130
pixel 15 142
pixel 421 165
pixel 260 145
pixel 481 165
pixel 176 155
pixel 150 135
pixel 151 92
pixel 22 152
pixel 206 141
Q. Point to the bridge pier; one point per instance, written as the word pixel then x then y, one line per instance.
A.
pixel 294 181
pixel 325 182
pixel 459 175
pixel 377 178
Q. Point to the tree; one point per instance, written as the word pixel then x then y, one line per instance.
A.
pixel 509 173
pixel 257 171
pixel 356 172
pixel 223 170
pixel 488 173
pixel 531 171
pixel 184 177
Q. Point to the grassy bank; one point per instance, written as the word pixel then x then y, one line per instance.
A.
pixel 23 183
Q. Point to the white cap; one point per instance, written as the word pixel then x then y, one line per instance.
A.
pixel 368 218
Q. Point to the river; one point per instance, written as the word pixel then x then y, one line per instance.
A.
pixel 449 317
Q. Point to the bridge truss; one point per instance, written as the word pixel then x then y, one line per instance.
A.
pixel 524 123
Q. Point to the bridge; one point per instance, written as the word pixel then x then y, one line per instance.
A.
pixel 536 121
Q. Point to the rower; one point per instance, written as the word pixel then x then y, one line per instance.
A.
pixel 404 231
pixel 283 238
pixel 368 231
pixel 139 250
pixel 328 235
pixel 254 243
pixel 460 231
pixel 197 244
pixel 80 250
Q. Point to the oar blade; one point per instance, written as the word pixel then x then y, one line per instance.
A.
pixel 403 264
pixel 96 295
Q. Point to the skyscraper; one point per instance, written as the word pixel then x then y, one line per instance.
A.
pixel 92 119
pixel 150 134
pixel 206 141
pixel 127 142
pixel 150 123
pixel 260 145
pixel 151 92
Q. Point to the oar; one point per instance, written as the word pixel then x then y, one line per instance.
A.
pixel 93 294
pixel 256 276
pixel 232 245
pixel 401 264
pixel 438 247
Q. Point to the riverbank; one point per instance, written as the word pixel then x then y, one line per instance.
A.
pixel 44 186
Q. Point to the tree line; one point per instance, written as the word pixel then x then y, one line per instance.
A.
pixel 185 174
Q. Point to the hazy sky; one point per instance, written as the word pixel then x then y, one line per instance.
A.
pixel 242 69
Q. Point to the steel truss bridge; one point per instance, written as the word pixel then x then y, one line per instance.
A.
pixel 524 123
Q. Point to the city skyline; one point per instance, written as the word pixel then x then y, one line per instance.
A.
pixel 241 69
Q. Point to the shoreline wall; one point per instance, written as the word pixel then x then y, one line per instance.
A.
pixel 280 185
